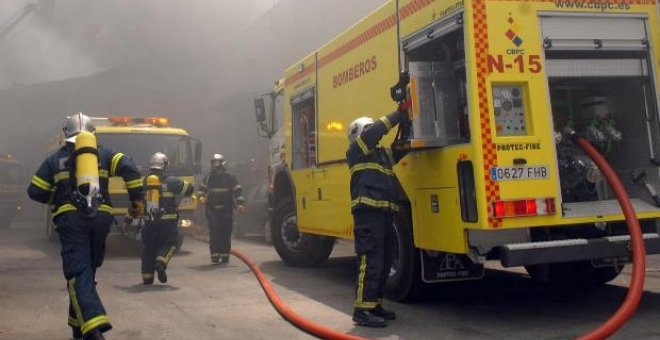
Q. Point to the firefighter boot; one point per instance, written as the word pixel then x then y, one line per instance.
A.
pixel 94 335
pixel 367 318
pixel 160 270
pixel 384 313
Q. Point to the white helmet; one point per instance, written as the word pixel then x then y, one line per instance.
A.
pixel 357 126
pixel 158 161
pixel 76 124
pixel 218 160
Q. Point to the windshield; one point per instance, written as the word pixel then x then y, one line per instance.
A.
pixel 142 146
pixel 10 173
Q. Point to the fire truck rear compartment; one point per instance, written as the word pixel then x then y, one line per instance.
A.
pixel 611 112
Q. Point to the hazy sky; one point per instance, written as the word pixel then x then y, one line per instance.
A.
pixel 72 38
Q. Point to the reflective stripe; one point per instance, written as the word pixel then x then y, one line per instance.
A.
pixel 62 175
pixel 374 203
pixel 73 322
pixel 219 190
pixel 147 275
pixel 41 183
pixel 93 323
pixel 237 187
pixel 103 173
pixel 71 285
pixel 359 301
pixel 168 217
pixel 166 259
pixel 362 145
pixel 136 183
pixel 115 162
pixel 168 194
pixel 371 166
pixel 64 208
pixel 386 121
pixel 106 208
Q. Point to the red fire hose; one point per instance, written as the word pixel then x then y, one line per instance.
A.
pixel 288 314
pixel 629 305
pixel 616 321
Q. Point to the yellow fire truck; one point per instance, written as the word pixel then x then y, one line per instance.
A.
pixel 140 138
pixel 492 174
pixel 11 189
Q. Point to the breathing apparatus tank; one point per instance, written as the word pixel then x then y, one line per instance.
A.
pixel 153 196
pixel 87 172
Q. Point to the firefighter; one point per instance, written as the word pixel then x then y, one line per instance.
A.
pixel 75 180
pixel 375 192
pixel 221 193
pixel 161 227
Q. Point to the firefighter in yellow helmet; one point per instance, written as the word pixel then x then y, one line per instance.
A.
pixel 221 193
pixel 75 177
pixel 161 227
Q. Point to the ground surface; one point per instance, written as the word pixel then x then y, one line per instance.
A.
pixel 202 301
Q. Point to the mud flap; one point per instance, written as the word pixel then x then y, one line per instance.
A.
pixel 445 267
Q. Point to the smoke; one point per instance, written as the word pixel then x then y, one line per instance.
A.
pixel 196 62
pixel 33 53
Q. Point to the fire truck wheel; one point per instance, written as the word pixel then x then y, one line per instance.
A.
pixel 405 280
pixel 296 248
pixel 573 274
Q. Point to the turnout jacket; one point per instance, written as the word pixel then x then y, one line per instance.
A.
pixel 373 183
pixel 170 188
pixel 222 191
pixel 54 181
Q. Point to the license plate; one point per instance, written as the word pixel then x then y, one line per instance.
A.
pixel 514 173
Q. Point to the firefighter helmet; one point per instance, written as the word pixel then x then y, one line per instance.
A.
pixel 76 124
pixel 158 161
pixel 218 160
pixel 357 126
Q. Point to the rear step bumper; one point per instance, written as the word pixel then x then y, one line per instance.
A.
pixel 522 254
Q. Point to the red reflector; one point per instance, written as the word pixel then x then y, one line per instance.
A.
pixel 498 209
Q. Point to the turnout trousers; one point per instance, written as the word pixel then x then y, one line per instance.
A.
pixel 159 239
pixel 220 225
pixel 83 249
pixel 374 239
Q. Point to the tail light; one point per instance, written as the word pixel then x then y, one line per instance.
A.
pixel 524 207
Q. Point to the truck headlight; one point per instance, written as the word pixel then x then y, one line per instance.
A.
pixel 185 223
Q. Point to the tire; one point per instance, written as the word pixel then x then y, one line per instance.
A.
pixel 405 280
pixel 296 248
pixel 573 274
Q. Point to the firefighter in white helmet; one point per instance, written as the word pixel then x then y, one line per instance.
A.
pixel 162 193
pixel 221 193
pixel 75 181
pixel 375 194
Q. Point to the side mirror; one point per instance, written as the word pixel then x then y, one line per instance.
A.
pixel 263 105
pixel 198 156
pixel 260 110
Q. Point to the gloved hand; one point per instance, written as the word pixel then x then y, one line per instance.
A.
pixel 404 107
pixel 201 199
pixel 137 209
pixel 241 208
